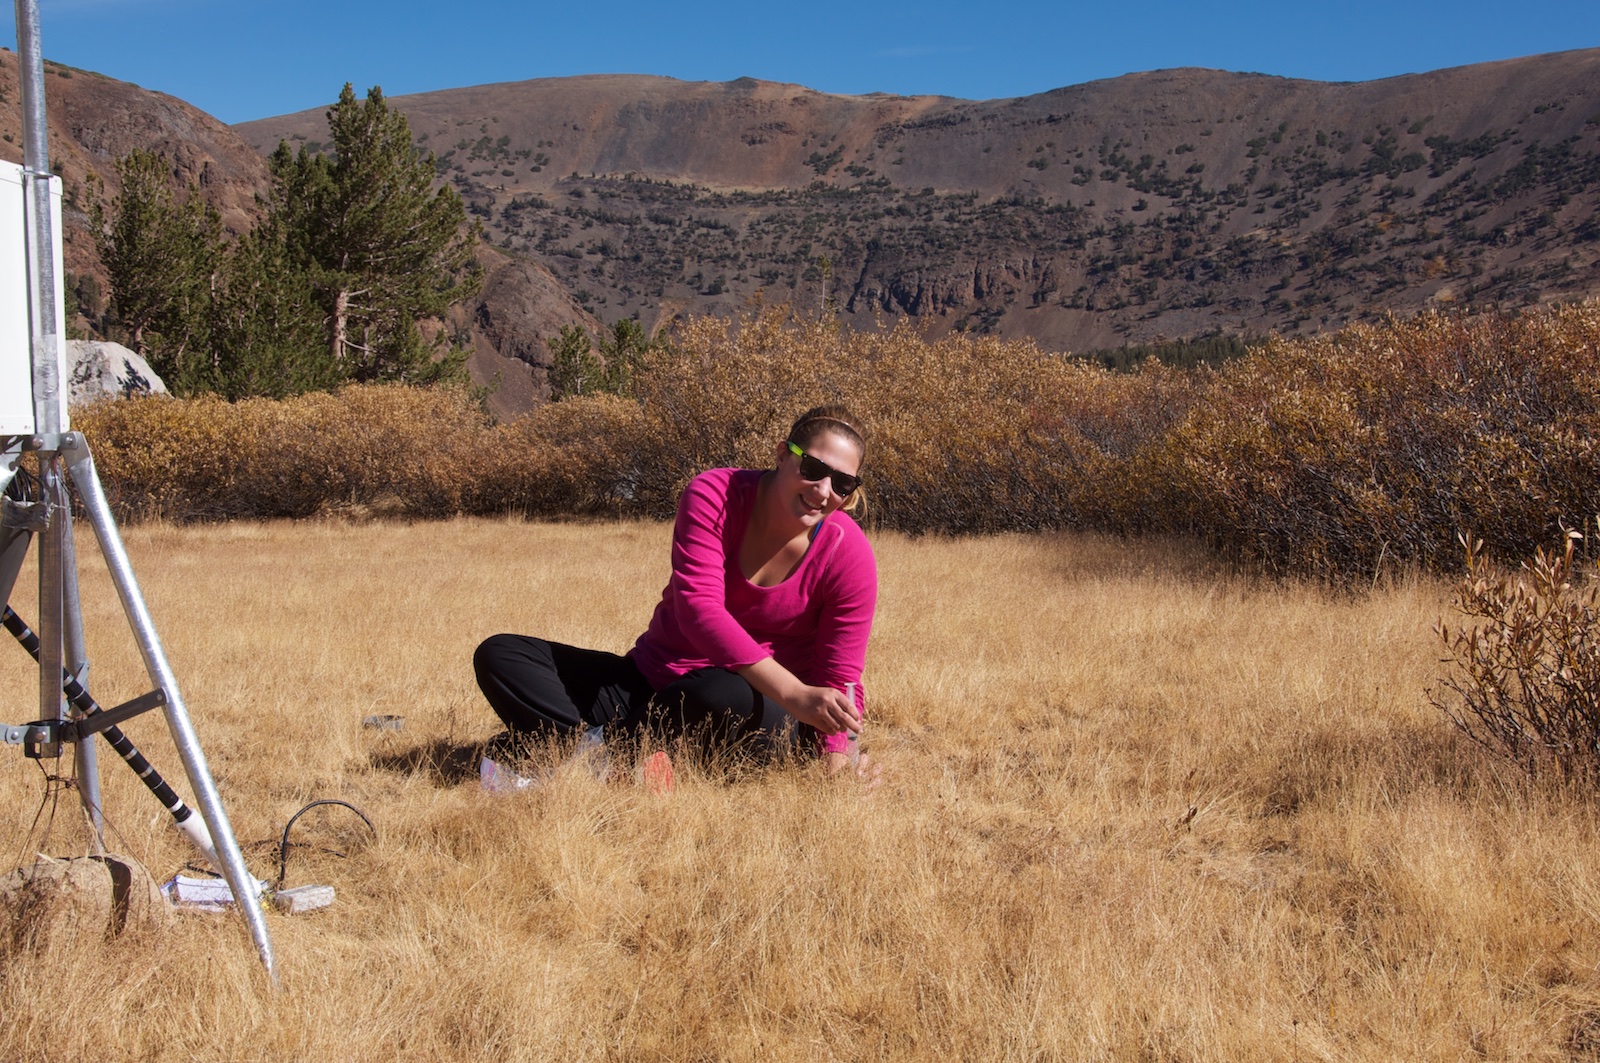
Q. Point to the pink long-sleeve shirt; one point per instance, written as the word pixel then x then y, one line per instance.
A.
pixel 815 623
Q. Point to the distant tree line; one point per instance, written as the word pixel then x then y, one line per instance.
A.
pixel 347 278
pixel 1212 350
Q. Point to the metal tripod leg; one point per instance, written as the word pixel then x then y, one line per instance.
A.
pixel 155 662
pixel 51 588
pixel 13 549
pixel 77 662
pixel 183 816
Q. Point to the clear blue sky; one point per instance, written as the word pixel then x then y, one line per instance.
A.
pixel 244 59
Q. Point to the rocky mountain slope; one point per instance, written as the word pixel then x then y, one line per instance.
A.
pixel 94 120
pixel 1164 204
pixel 1159 205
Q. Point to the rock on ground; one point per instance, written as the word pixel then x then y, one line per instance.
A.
pixel 97 369
pixel 58 902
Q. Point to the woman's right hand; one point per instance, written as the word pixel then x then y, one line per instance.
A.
pixel 824 708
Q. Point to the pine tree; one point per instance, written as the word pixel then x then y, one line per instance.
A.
pixel 577 367
pixel 623 348
pixel 384 249
pixel 161 256
pixel 348 277
pixel 267 324
pixel 574 367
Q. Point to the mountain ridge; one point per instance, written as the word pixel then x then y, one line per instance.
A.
pixel 1261 185
pixel 1157 205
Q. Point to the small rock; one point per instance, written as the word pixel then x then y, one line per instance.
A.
pixel 55 903
pixel 62 902
pixel 303 899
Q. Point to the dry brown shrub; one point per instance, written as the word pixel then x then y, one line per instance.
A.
pixel 1339 455
pixel 411 451
pixel 964 437
pixel 161 457
pixel 582 456
pixel 1336 454
pixel 968 433
pixel 1525 661
pixel 725 393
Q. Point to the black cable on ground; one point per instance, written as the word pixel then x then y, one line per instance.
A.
pixel 283 848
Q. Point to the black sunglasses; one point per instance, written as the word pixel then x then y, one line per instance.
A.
pixel 814 469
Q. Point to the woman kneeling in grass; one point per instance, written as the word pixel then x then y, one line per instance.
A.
pixel 760 637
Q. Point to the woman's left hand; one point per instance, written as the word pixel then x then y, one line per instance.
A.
pixel 867 771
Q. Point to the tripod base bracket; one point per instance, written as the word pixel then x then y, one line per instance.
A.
pixel 42 739
pixel 39 741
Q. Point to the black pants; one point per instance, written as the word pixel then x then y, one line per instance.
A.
pixel 544 690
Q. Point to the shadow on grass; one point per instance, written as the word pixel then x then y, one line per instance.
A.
pixel 445 761
pixel 450 762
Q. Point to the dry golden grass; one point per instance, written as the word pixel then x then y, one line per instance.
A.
pixel 1135 807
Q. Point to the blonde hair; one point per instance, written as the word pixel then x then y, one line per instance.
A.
pixel 836 418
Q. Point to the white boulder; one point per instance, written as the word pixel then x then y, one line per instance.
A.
pixel 97 369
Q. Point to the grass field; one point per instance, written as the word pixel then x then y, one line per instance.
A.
pixel 1133 807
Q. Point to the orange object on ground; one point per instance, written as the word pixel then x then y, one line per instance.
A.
pixel 657 772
